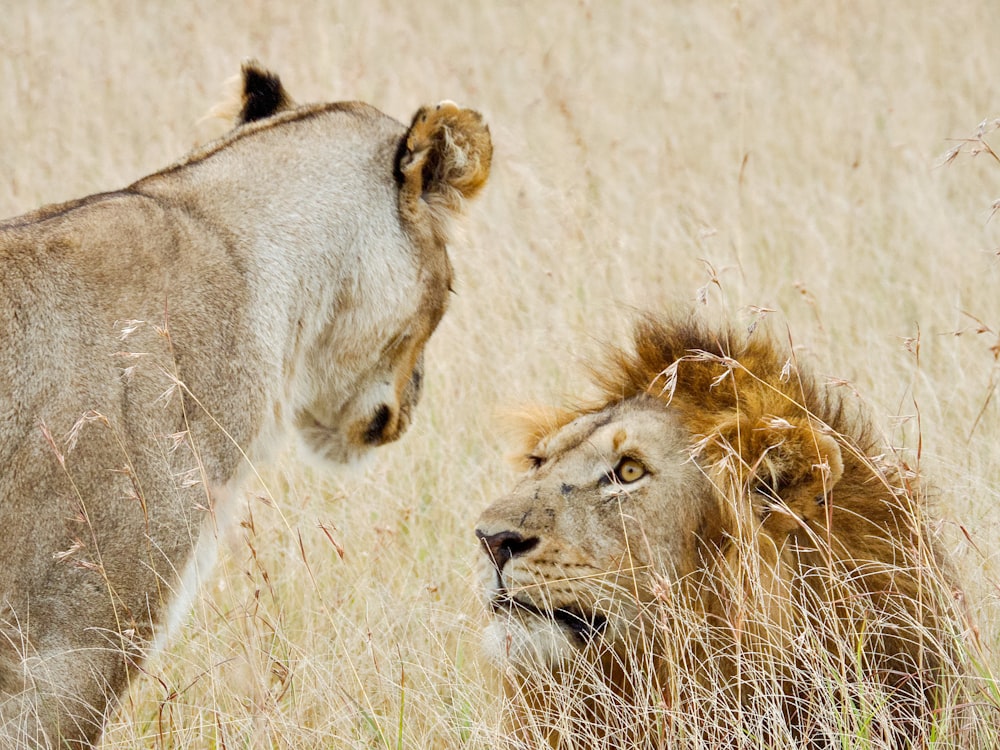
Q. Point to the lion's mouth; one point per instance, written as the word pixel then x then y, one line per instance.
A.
pixel 586 627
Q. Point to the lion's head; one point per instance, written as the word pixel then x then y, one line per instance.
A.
pixel 717 519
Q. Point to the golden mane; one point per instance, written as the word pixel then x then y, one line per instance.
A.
pixel 742 395
pixel 706 373
pixel 813 533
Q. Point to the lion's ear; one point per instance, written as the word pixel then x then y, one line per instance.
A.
pixel 443 159
pixel 261 95
pixel 799 463
pixel 796 462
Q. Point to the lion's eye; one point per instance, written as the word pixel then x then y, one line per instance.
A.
pixel 629 470
pixel 535 461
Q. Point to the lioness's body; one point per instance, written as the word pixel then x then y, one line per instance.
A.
pixel 159 340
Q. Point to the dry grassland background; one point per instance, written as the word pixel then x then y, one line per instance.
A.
pixel 790 151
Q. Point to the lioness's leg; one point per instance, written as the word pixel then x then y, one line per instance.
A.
pixel 58 697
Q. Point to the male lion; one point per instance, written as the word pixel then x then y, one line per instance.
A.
pixel 159 340
pixel 713 554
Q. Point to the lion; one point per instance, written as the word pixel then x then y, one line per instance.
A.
pixel 715 550
pixel 161 341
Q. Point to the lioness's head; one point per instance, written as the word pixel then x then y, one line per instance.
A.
pixel 391 192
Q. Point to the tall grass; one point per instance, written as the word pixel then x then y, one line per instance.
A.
pixel 791 149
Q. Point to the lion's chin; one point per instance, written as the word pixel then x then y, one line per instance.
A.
pixel 528 643
pixel 526 636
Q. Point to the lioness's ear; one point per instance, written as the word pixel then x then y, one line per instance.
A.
pixel 262 94
pixel 443 159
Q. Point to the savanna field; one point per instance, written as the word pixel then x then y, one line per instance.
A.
pixel 826 167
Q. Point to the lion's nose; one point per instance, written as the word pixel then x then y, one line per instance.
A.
pixel 504 545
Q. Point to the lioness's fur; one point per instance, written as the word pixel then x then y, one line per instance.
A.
pixel 714 553
pixel 158 341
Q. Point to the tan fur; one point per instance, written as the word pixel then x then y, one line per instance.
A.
pixel 160 340
pixel 764 517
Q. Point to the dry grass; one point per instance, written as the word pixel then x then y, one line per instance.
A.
pixel 792 152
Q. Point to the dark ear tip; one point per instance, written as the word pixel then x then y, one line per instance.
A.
pixel 256 75
pixel 251 63
pixel 263 94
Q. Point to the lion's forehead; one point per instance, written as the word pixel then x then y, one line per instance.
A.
pixel 574 479
pixel 599 439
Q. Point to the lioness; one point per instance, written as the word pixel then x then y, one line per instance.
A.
pixel 158 341
pixel 714 554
